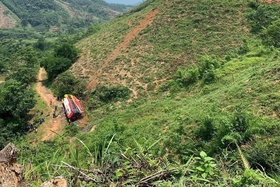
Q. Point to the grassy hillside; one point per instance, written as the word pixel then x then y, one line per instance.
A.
pixel 203 108
pixel 181 33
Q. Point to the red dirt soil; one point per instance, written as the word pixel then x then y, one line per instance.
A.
pixel 54 124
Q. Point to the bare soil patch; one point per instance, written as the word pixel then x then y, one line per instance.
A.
pixel 6 21
pixel 55 124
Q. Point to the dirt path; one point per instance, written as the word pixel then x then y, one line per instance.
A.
pixel 148 19
pixel 54 124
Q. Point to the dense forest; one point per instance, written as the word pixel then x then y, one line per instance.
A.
pixel 44 15
pixel 191 99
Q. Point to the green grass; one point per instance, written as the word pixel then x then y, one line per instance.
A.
pixel 244 83
pixel 177 38
pixel 245 94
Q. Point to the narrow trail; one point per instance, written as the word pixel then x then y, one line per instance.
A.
pixel 148 19
pixel 54 124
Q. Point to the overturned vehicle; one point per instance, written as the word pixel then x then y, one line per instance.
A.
pixel 72 107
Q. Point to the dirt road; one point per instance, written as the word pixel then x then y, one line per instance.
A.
pixel 52 124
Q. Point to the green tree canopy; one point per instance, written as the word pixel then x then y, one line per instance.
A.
pixel 271 35
pixel 15 100
pixel 66 83
pixel 67 50
pixel 26 56
pixel 55 65
pixel 24 75
pixel 61 59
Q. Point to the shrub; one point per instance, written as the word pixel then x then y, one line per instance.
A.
pixel 187 77
pixel 66 83
pixel 262 16
pixel 102 95
pixel 206 129
pixel 271 35
pixel 207 69
pixel 114 93
pixel 209 77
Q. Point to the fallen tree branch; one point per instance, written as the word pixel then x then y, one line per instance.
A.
pixel 82 176
pixel 94 171
pixel 158 174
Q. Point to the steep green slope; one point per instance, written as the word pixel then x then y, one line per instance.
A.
pixel 181 33
pixel 204 108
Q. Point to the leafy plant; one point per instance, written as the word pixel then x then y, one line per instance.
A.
pixel 204 166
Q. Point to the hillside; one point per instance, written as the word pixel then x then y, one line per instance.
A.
pixel 177 37
pixel 178 93
pixel 6 20
pixel 45 15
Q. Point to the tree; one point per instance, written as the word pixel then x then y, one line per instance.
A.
pixel 16 100
pixel 26 56
pixel 67 50
pixel 24 23
pixel 55 65
pixel 271 35
pixel 66 83
pixel 24 75
pixel 41 44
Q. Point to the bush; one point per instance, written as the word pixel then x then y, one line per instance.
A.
pixel 102 95
pixel 187 77
pixel 207 69
pixel 262 16
pixel 209 77
pixel 271 35
pixel 206 129
pixel 66 83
